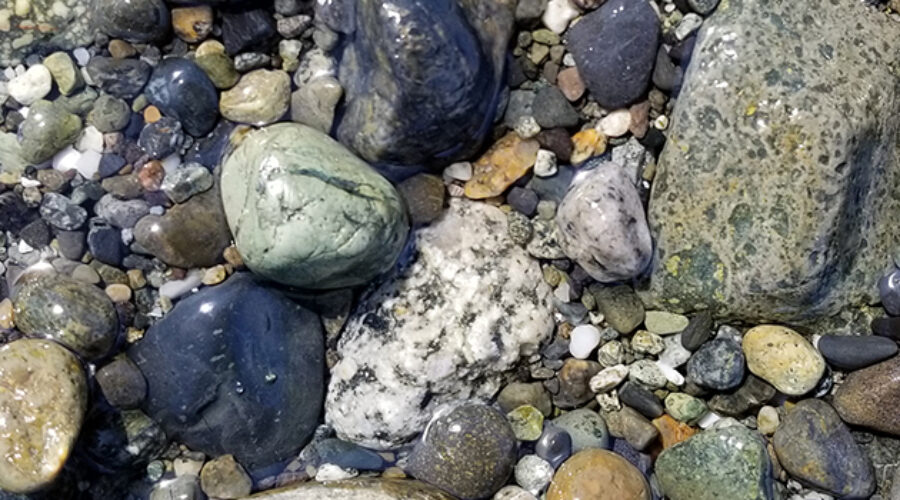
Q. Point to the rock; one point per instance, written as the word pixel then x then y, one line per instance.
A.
pixel 814 446
pixel 117 441
pixel 403 113
pixel 855 352
pixel 598 475
pixel 468 452
pixel 47 130
pixel 44 25
pixel 868 397
pixel 608 378
pixel 574 383
pixel 533 473
pixel 62 213
pixel 122 383
pixel 558 15
pixel 552 109
pixel 665 323
pixel 719 364
pixel 260 97
pixel 621 307
pixel 189 180
pixel 219 68
pixel 121 213
pixel 641 399
pixel 42 411
pixel 314 104
pixel 783 358
pixel 161 138
pixel 596 44
pixel 684 407
pixel 731 463
pixel 508 160
pixel 671 431
pixel 105 242
pixel 527 422
pixel 135 21
pixel 123 78
pixel 554 446
pixel 583 340
pixel 181 90
pixel 767 420
pixel 571 84
pixel 698 331
pixel 353 223
pixel 265 403
pixel 247 30
pixel 193 24
pixel 369 488
pixel 31 86
pixel 585 427
pixel 889 291
pixel 631 426
pixel 743 249
pixel 517 394
pixel 192 234
pixel 424 196
pixel 752 393
pixel 603 227
pixel 886 327
pixel 224 478
pixel 497 302
pixel 77 315
pixel 109 114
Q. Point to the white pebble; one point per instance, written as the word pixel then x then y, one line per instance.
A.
pixel 331 472
pixel 616 124
pixel 671 374
pixel 513 493
pixel 26 182
pixel 545 164
pixel 568 60
pixel 583 340
pixel 706 421
pixel 91 139
pixel 9 73
pixel 460 171
pixel 527 127
pixel 609 401
pixel 689 24
pixel 558 15
pixel 82 56
pixel 661 122
pixel 31 86
pixel 533 473
pixel 675 354
pixel 563 292
pixel 176 288
pixel 25 247
pixel 86 163
pixel 172 162
pixel 608 378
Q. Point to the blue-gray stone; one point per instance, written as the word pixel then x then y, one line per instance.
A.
pixel 181 90
pixel 889 289
pixel 718 364
pixel 134 20
pixel 348 455
pixel 554 445
pixel 161 138
pixel 854 352
pixel 123 78
pixel 235 369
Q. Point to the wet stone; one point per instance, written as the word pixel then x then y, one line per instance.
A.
pixel 105 242
pixel 161 138
pixel 117 441
pixel 260 97
pixel 598 475
pixel 698 331
pixel 47 130
pixel 585 427
pixel 517 394
pixel 574 383
pixel 753 393
pixel 783 358
pixel 641 399
pixel 424 196
pixel 684 407
pixel 64 24
pixel 247 30
pixel 224 478
pixel 181 90
pixel 135 21
pixel 631 426
pixel 869 397
pixel 719 364
pixel 621 307
pixel 122 383
pixel 554 446
pixel 362 489
pixel 188 180
pixel 889 290
pixel 109 114
pixel 123 78
pixel 855 352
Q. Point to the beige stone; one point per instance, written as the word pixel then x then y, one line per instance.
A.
pixel 783 358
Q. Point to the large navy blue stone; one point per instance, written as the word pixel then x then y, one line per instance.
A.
pixel 422 78
pixel 181 90
pixel 615 49
pixel 237 368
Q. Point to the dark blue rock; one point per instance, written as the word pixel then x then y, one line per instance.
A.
pixel 889 289
pixel 105 243
pixel 718 364
pixel 422 79
pixel 853 353
pixel 553 188
pixel 615 48
pixel 887 327
pixel 208 151
pixel 110 164
pixel 642 461
pixel 181 90
pixel 641 399
pixel 698 331
pixel 135 20
pixel 551 109
pixel 348 455
pixel 237 368
pixel 161 138
pixel 124 78
pixel 523 200
pixel 554 445
pixel 250 30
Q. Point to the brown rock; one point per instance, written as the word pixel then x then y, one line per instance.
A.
pixel 424 196
pixel 193 24
pixel 570 83
pixel 152 175
pixel 574 383
pixel 588 144
pixel 224 478
pixel 558 141
pixel 870 397
pixel 508 160
pixel 598 475
pixel 671 431
pixel 631 426
pixel 120 49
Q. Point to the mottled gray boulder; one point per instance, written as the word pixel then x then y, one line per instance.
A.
pixel 441 330
pixel 422 79
pixel 776 196
pixel 305 212
pixel 42 26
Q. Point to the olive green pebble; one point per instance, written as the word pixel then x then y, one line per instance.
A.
pixel 527 422
pixel 81 103
pixel 47 130
pixel 109 114
pixel 219 68
pixel 66 75
pixel 684 407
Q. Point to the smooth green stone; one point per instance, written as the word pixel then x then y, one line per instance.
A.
pixel 727 463
pixel 81 103
pixel 684 407
pixel 306 212
pixel 66 75
pixel 47 130
pixel 219 68
pixel 527 422
pixel 369 488
pixel 260 97
pixel 75 314
pixel 586 427
pixel 109 114
pixel 620 305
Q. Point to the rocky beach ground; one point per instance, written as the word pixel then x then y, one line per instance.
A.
pixel 449 249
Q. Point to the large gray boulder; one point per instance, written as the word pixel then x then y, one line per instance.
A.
pixel 42 25
pixel 777 192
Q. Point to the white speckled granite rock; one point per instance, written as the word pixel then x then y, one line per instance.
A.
pixel 603 225
pixel 439 330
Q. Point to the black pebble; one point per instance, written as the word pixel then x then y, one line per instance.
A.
pixel 641 399
pixel 852 353
pixel 105 243
pixel 698 331
pixel 248 30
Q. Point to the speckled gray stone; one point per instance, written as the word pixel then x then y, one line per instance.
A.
pixel 45 25
pixel 775 197
pixel 306 212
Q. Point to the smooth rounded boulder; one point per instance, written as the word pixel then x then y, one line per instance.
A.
pixel 235 369
pixel 305 212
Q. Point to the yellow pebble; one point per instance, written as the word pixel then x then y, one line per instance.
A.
pixel 6 314
pixel 214 275
pixel 136 279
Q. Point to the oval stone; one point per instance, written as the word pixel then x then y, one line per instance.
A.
pixel 235 369
pixel 306 212
pixel 870 397
pixel 598 475
pixel 783 358
pixel 854 352
pixel 814 446
pixel 73 313
pixel 42 407
pixel 719 364
pixel 181 90
pixel 260 97
pixel 133 20
pixel 369 488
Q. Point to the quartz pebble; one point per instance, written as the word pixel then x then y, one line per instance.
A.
pixel 584 339
pixel 32 85
pixel 616 124
pixel 609 378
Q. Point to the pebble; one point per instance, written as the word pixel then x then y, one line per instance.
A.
pixel 315 103
pixel 121 213
pixel 571 84
pixel 260 97
pixel 545 164
pixel 424 195
pixel 504 163
pixel 595 41
pixel 109 114
pixel 855 352
pixel 362 488
pixel 513 493
pixel 644 342
pixel 186 487
pixel 31 86
pixel 698 331
pixel 752 393
pixel 42 416
pixel 161 138
pixel 77 315
pixel 702 7
pixel 136 20
pixel 193 24
pixel 586 429
pixel 620 305
pixel 224 478
pixel 551 109
pixel 524 201
pixel 641 399
pixel 889 290
pixel 870 397
pixel 598 475
pixel 615 124
pixel 6 314
pixel 219 68
pixel 533 473
pixel 517 394
pixel 48 129
pixel 527 127
pixel 783 358
pixel 611 353
pixel 122 383
pixel 767 420
pixel 689 24
pixel 123 78
pixel 685 408
pixel 527 422
pixel 574 383
pixel 648 373
pixel 671 431
pixel 886 327
pixel 720 463
pixel 719 364
pixel 584 339
pixel 247 30
pixel 469 452
pixel 555 445
pixel 558 15
pixel 631 426
pixel 815 446
pixel 608 378
pixel 665 323
pixel 181 90
pixel 587 144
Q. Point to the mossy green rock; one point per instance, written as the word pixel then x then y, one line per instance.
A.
pixel 75 314
pixel 727 463
pixel 305 212
pixel 776 194
pixel 47 130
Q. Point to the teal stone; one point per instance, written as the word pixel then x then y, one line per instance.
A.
pixel 305 212
pixel 47 130
pixel 727 463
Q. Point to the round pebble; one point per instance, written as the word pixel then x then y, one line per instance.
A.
pixel 783 358
pixel 598 475
pixel 584 339
pixel 533 473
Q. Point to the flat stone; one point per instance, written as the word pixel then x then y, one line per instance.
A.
pixel 620 305
pixel 665 323
pixel 326 220
pixel 813 445
pixel 507 161
pixel 631 426
pixel 598 475
pixel 719 463
pixel 671 431
pixel 855 352
pixel 869 397
pixel 260 97
pixel 757 248
pixel 493 309
pixel 42 411
pixel 585 427
pixel 698 331
pixel 369 488
pixel 750 395
pixel 783 358
pixel 124 78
